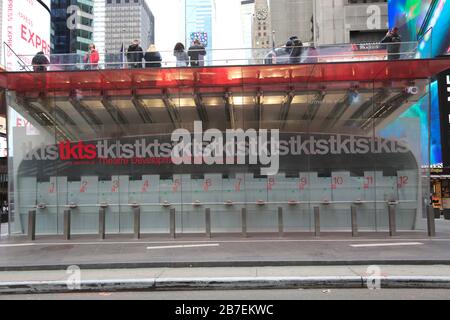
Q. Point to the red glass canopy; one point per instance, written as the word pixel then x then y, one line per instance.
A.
pixel 222 76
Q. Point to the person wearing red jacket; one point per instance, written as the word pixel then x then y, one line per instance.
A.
pixel 92 58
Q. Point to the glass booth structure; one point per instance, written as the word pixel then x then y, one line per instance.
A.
pixel 337 135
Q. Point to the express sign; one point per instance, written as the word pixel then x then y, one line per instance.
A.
pixel 26 30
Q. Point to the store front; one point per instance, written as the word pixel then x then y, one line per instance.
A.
pixel 294 138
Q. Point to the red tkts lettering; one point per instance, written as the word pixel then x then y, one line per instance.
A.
pixel 79 151
pixel 34 39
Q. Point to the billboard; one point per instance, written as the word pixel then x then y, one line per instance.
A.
pixel 425 21
pixel 444 103
pixel 26 30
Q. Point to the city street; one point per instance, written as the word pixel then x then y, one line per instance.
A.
pixel 199 251
pixel 242 295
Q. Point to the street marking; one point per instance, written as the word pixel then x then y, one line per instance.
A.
pixel 184 246
pixel 398 244
pixel 13 245
pixel 140 243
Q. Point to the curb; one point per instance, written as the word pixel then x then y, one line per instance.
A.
pixel 242 283
pixel 224 264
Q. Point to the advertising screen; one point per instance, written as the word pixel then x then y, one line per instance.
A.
pixel 26 30
pixel 424 21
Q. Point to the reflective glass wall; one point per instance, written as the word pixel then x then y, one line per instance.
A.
pixel 326 145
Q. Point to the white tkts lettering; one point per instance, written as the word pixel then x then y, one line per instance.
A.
pixel 213 147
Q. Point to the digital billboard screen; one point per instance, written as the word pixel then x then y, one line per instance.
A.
pixel 427 23
pixel 424 21
pixel 26 30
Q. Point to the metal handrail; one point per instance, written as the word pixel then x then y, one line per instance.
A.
pixel 22 63
pixel 347 52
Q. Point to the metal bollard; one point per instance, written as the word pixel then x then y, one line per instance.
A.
pixel 137 222
pixel 280 222
pixel 244 222
pixel 67 223
pixel 392 220
pixel 102 223
pixel 208 222
pixel 317 221
pixel 431 222
pixel 32 225
pixel 172 224
pixel 354 222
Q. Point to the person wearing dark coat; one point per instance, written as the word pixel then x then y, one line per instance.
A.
pixel 152 57
pixel 393 41
pixel 296 50
pixel 40 62
pixel 196 53
pixel 135 54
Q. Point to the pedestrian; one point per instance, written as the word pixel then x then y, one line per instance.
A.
pixel 40 62
pixel 135 54
pixel 152 57
pixel 92 58
pixel 181 55
pixel 393 42
pixel 196 53
pixel 296 50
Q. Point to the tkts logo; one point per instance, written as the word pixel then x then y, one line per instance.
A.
pixel 79 151
pixel 104 149
pixel 63 151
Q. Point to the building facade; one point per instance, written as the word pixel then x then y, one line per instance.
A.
pixel 262 30
pixel 100 27
pixel 247 18
pixel 126 21
pixel 72 26
pixel 329 22
pixel 199 24
pixel 2 63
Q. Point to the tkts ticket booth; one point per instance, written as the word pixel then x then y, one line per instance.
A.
pixel 340 147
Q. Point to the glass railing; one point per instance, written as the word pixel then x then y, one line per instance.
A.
pixel 215 58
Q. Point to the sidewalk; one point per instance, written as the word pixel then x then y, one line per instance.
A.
pixel 356 277
pixel 258 250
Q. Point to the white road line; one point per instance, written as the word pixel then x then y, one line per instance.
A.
pixel 184 246
pixel 13 245
pixel 115 243
pixel 398 244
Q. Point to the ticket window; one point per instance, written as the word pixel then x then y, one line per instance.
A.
pixel 346 188
pixel 234 190
pixel 84 199
pixel 407 187
pixel 145 192
pixel 256 189
pixel 192 216
pixel 278 188
pixel 170 192
pixel 26 201
pixel 51 199
pixel 320 188
pixel 304 186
